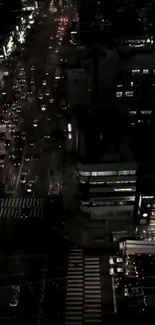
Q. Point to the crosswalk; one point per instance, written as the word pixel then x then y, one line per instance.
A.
pixel 83 289
pixel 13 207
pixel 92 291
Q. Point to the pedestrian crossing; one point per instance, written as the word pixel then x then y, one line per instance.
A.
pixel 83 290
pixel 92 291
pixel 13 207
pixel 74 289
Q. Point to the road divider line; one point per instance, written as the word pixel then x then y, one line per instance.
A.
pixel 13 178
pixel 4 179
pixel 10 171
pixel 114 295
pixel 20 170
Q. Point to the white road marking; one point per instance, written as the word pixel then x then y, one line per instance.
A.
pixel 114 295
pixel 20 170
pixel 10 171
pixel 48 180
pixel 4 179
pixel 13 178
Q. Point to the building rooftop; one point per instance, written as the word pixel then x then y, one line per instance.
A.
pixel 128 24
pixel 105 138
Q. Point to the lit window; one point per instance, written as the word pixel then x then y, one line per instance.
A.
pixel 129 93
pixel 94 173
pixel 145 71
pixel 119 94
pixel 119 86
pixel 127 172
pixel 124 189
pixel 104 173
pixel 132 113
pixel 146 112
pixel 137 71
pixel 81 173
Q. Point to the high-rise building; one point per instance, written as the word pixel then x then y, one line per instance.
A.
pixel 9 13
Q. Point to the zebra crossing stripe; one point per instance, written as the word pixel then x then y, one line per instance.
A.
pixel 12 207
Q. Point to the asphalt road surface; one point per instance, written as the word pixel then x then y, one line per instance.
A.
pixel 45 49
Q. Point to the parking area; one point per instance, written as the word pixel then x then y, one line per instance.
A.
pixel 133 283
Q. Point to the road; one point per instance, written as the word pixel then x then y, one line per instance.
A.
pixel 39 64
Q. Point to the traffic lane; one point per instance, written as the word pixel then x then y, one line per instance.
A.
pixel 28 167
pixel 43 169
pixel 10 177
pixel 39 169
pixel 38 37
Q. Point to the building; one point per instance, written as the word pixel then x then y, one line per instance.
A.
pixel 131 33
pixel 106 168
pixel 135 87
pixel 144 212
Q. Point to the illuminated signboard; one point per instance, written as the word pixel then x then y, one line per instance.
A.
pixel 10 46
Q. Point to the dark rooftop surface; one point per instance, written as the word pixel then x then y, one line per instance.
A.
pixel 127 24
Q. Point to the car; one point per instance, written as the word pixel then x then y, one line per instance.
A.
pixel 15 119
pixel 59 145
pixel 15 296
pixel 47 135
pixel 2 136
pixel 29 91
pixel 47 92
pixel 41 95
pixel 116 260
pixel 133 291
pixel 12 154
pixel 23 135
pixel 137 304
pixel 51 100
pixel 23 177
pixel 36 156
pixel 29 186
pixel 32 81
pixel 48 118
pixel 50 47
pixel 18 109
pixel 27 157
pixel 31 142
pixel 7 142
pixel 35 123
pixel 44 82
pixel 2 159
pixel 43 107
pixel 6 121
pixel 20 145
pixel 118 271
pixel 25 213
pixel 47 70
pixel 17 161
pixel 23 96
pixel 5 110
